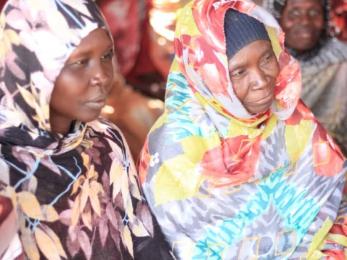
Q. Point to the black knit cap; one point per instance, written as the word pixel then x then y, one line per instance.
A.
pixel 240 30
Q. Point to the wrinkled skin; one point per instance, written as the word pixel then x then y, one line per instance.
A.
pixel 253 72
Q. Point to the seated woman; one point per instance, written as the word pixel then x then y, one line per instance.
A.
pixel 323 60
pixel 238 167
pixel 68 174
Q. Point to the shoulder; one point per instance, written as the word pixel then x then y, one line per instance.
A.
pixel 104 130
pixel 102 126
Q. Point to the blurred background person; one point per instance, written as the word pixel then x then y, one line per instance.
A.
pixel 132 112
pixel 162 21
pixel 338 16
pixel 143 32
pixel 132 106
pixel 323 60
pixel 129 22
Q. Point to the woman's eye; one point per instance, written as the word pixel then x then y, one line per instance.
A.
pixel 108 56
pixel 79 63
pixel 267 58
pixel 294 13
pixel 314 12
pixel 237 73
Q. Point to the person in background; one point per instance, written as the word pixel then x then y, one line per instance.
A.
pixel 125 19
pixel 338 19
pixel 323 60
pixel 151 25
pixel 238 167
pixel 129 23
pixel 69 175
pixel 132 112
pixel 162 20
pixel 131 109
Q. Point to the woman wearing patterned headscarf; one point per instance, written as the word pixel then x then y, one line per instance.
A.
pixel 68 174
pixel 323 60
pixel 238 167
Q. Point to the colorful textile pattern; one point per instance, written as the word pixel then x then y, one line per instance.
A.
pixel 338 16
pixel 225 184
pixel 323 78
pixel 73 193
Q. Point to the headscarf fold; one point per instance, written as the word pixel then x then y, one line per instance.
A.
pixel 66 189
pixel 227 184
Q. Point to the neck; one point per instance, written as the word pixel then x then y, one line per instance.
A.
pixel 59 124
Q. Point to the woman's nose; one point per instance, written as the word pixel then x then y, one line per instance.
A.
pixel 305 19
pixel 99 75
pixel 259 80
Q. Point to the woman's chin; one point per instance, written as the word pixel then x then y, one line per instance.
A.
pixel 259 109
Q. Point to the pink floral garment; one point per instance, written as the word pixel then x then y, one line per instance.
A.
pixel 226 184
pixel 76 196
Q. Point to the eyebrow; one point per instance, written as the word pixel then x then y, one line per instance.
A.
pixel 87 52
pixel 234 66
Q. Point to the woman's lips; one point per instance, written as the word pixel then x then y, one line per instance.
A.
pixel 306 34
pixel 263 101
pixel 96 103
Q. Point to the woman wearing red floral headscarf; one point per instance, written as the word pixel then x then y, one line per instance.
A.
pixel 238 167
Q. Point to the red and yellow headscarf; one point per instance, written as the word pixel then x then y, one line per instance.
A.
pixel 207 159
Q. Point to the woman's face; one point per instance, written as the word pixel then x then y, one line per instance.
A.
pixel 81 89
pixel 253 71
pixel 303 23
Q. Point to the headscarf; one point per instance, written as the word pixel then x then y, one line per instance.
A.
pixel 71 192
pixel 323 76
pixel 227 184
pixel 338 16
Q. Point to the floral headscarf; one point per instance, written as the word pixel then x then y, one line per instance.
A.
pixel 338 16
pixel 66 189
pixel 226 184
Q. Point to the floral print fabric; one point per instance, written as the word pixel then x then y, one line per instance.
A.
pixel 226 184
pixel 75 193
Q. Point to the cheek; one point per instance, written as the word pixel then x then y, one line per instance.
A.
pixel 240 89
pixel 68 90
pixel 319 25
pixel 286 24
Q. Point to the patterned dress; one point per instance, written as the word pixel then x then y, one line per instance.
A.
pixel 76 196
pixel 227 184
